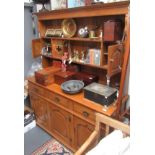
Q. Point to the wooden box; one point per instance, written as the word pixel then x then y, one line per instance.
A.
pixel 101 94
pixel 86 77
pixel 112 31
pixel 61 77
pixel 46 76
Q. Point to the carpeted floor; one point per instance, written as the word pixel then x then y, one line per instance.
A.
pixel 52 147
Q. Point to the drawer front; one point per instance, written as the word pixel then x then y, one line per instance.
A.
pixel 84 112
pixel 57 99
pixel 41 91
pixel 36 89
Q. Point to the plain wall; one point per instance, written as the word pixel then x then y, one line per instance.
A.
pixel 28 36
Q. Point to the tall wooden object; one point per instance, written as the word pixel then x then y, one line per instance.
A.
pixel 71 118
pixel 125 65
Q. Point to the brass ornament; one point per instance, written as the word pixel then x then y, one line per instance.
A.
pixel 68 28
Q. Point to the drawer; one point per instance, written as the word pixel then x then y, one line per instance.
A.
pixel 57 99
pixel 41 91
pixel 36 89
pixel 85 112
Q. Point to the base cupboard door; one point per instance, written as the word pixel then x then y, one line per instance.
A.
pixel 61 124
pixel 82 131
pixel 39 106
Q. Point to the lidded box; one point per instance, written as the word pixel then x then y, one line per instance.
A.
pixel 101 94
pixel 46 75
pixel 61 77
pixel 87 78
pixel 112 30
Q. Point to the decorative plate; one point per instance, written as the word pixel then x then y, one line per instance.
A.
pixel 68 28
pixel 72 86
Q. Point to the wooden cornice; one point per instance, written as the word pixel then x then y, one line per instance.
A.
pixel 117 8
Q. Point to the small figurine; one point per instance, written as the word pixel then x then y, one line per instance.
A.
pixel 64 59
pixel 82 56
pixel 76 55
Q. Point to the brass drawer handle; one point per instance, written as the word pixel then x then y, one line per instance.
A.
pixel 57 99
pixel 85 114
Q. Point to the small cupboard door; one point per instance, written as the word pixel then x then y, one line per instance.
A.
pixel 39 106
pixel 37 46
pixel 61 124
pixel 115 58
pixel 82 130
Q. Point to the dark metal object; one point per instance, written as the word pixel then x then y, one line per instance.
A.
pixel 72 86
pixel 83 32
pixel 101 94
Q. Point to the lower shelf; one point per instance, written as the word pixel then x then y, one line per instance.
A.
pixel 105 67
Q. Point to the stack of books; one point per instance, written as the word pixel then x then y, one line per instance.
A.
pixel 93 56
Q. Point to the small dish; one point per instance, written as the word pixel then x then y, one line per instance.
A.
pixel 72 86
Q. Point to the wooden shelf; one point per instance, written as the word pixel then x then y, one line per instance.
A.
pixel 81 63
pixel 92 65
pixel 77 39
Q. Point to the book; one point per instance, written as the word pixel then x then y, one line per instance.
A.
pixel 94 56
pixel 75 3
pixel 97 53
pixel 91 51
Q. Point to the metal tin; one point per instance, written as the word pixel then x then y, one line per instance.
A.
pixel 99 93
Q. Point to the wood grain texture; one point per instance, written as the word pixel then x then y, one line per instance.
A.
pixel 78 98
pixel 117 8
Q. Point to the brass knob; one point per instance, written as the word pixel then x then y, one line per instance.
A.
pixel 57 99
pixel 85 114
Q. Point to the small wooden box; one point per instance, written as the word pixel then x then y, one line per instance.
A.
pixel 112 31
pixel 61 77
pixel 46 76
pixel 86 77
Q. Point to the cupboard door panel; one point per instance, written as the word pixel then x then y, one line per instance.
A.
pixel 37 46
pixel 40 109
pixel 61 123
pixel 82 131
pixel 115 57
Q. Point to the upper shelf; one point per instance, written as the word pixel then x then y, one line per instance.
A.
pixel 117 8
pixel 77 39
